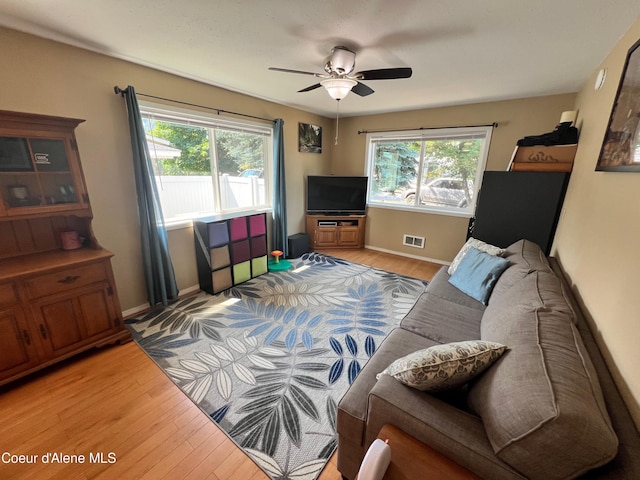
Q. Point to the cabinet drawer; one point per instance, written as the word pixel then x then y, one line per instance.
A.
pixel 8 294
pixel 65 280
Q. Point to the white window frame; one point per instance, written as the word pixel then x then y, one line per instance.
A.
pixel 211 121
pixel 424 135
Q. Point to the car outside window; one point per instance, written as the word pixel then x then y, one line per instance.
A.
pixel 447 162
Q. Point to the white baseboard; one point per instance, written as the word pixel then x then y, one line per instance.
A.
pixel 189 290
pixel 408 255
pixel 132 312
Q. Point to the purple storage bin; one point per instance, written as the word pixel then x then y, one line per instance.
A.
pixel 218 234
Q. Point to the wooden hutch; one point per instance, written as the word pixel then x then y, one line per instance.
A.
pixel 57 291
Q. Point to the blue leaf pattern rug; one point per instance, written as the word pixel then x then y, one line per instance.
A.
pixel 269 360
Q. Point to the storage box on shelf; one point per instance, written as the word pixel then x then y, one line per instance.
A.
pixel 54 303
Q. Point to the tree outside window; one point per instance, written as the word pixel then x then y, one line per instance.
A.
pixel 449 163
pixel 206 169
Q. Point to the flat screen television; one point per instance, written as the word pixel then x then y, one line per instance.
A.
pixel 332 194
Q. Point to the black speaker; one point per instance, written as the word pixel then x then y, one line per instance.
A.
pixel 298 245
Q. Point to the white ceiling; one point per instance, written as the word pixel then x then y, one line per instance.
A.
pixel 461 51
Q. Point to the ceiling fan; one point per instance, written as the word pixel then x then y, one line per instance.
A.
pixel 338 79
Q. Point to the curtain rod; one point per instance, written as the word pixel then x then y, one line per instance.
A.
pixel 120 91
pixel 494 125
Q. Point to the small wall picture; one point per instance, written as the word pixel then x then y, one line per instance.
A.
pixel 309 138
pixel 621 147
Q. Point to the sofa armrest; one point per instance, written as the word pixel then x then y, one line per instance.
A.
pixel 455 433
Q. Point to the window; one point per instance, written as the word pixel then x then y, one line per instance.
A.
pixel 449 163
pixel 207 164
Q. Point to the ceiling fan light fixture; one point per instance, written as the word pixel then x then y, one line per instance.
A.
pixel 338 88
pixel 342 61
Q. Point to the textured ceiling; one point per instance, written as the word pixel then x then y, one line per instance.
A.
pixel 462 51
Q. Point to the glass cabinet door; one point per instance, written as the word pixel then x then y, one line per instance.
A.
pixel 36 172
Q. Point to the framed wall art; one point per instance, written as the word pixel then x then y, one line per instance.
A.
pixel 309 138
pixel 621 146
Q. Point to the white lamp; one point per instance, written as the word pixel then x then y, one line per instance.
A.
pixel 569 116
pixel 338 88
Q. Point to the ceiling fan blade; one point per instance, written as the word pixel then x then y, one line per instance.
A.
pixel 384 74
pixel 361 89
pixel 288 70
pixel 309 88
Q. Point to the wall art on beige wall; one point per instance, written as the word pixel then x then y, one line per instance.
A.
pixel 309 138
pixel 621 147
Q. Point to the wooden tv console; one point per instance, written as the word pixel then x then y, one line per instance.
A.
pixel 342 231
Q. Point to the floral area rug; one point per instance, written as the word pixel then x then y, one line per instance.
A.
pixel 269 360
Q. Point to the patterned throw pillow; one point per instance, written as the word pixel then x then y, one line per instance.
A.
pixel 442 367
pixel 480 245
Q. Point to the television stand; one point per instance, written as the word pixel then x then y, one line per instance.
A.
pixel 336 231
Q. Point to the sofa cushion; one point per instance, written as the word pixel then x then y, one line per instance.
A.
pixel 440 287
pixel 541 403
pixel 443 313
pixel 626 464
pixel 477 273
pixel 524 258
pixel 444 367
pixel 473 243
pixel 455 433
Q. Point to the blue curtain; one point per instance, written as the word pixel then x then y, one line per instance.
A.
pixel 158 269
pixel 279 190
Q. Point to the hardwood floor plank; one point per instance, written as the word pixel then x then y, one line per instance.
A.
pixel 386 261
pixel 116 399
pixel 236 465
pixel 205 435
pixel 170 461
pixel 197 454
pixel 204 469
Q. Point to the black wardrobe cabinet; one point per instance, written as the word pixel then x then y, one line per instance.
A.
pixel 516 205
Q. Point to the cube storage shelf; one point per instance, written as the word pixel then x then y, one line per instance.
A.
pixel 230 251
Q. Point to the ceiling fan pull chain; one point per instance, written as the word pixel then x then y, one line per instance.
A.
pixel 337 120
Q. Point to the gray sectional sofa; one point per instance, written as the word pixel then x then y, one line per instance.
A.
pixel 547 409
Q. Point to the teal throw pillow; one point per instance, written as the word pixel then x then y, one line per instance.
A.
pixel 477 273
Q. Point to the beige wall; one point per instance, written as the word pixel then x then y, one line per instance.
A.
pixel 444 234
pixel 40 76
pixel 599 228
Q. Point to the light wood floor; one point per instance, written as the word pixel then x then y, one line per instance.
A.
pixel 116 401
pixel 386 261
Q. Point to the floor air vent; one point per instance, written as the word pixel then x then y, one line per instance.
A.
pixel 413 241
